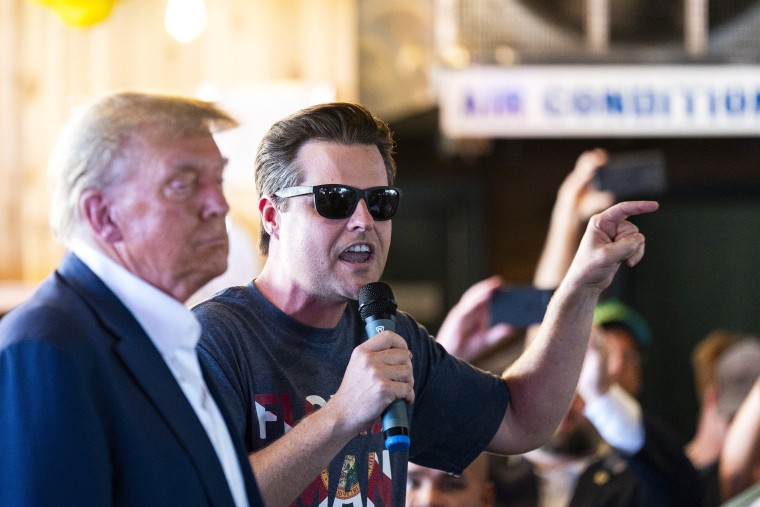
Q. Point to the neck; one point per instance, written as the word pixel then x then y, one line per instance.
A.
pixel 181 290
pixel 299 304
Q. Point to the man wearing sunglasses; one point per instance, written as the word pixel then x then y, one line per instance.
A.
pixel 289 350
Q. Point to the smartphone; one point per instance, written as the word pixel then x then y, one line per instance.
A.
pixel 633 175
pixel 520 306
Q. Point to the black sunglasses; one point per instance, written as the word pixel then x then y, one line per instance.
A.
pixel 339 201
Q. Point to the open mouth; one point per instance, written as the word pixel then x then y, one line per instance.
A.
pixel 357 254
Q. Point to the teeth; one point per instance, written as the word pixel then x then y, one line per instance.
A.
pixel 358 248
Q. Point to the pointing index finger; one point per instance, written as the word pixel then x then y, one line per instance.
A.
pixel 621 211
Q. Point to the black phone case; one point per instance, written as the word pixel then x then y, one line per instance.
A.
pixel 520 306
pixel 638 174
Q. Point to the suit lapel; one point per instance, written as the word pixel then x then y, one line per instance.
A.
pixel 149 370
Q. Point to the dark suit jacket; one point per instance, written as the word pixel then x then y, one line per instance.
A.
pixel 89 412
pixel 662 463
pixel 607 482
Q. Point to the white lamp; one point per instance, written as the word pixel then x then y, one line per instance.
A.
pixel 185 19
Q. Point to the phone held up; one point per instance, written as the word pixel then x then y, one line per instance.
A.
pixel 633 175
pixel 520 306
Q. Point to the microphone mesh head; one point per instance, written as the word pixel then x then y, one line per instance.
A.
pixel 376 299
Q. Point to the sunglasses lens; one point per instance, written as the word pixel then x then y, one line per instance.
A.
pixel 338 202
pixel 382 203
pixel 335 201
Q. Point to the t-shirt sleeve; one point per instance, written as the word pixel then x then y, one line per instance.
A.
pixel 457 410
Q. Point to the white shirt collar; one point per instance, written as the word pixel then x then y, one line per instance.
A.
pixel 166 321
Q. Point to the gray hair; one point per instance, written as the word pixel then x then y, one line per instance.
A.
pixel 92 139
pixel 337 122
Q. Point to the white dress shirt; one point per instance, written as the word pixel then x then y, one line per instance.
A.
pixel 617 417
pixel 556 485
pixel 174 331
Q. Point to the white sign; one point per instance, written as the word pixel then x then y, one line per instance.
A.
pixel 601 101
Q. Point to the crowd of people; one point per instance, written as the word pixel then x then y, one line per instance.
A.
pixel 271 393
pixel 609 450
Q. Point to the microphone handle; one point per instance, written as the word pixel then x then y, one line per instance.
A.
pixel 395 422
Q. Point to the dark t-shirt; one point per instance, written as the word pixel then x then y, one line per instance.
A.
pixel 272 371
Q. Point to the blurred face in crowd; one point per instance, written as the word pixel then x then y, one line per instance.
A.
pixel 426 487
pixel 623 360
pixel 575 435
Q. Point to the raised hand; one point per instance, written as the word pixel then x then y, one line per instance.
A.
pixel 594 380
pixel 610 239
pixel 577 197
pixel 467 332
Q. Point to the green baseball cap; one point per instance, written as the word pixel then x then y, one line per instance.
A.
pixel 612 311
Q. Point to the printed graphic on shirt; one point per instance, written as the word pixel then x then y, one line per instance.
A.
pixel 379 490
pixel 363 477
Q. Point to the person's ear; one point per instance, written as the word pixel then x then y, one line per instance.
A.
pixel 270 216
pixel 98 211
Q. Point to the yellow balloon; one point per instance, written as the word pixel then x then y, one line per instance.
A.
pixel 80 13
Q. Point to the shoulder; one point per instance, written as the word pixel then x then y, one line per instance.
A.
pixel 229 300
pixel 228 309
pixel 48 316
pixel 411 330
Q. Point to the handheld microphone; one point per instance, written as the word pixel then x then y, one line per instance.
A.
pixel 378 311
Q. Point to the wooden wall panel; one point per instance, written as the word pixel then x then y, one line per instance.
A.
pixel 46 67
pixel 10 153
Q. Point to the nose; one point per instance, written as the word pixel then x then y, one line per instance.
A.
pixel 361 218
pixel 215 204
pixel 614 366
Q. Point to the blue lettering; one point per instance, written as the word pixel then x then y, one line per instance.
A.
pixel 713 101
pixel 689 98
pixel 469 104
pixel 551 103
pixel 509 102
pixel 665 104
pixel 644 103
pixel 614 102
pixel 583 103
pixel 514 103
pixel 735 102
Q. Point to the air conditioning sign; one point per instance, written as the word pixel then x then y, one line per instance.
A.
pixel 586 101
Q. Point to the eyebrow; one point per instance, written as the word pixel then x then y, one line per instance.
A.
pixel 192 166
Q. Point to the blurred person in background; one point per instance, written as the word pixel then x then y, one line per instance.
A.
pixel 577 466
pixel 712 424
pixel 626 337
pixel 647 445
pixel 428 487
pixel 738 378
